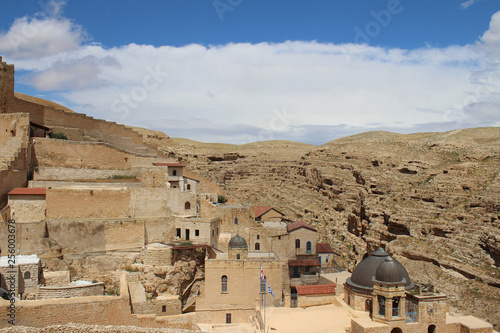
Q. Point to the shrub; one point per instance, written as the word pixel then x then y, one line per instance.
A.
pixel 221 199
pixel 58 135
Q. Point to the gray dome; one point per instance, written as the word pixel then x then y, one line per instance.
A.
pixel 366 271
pixel 390 272
pixel 238 242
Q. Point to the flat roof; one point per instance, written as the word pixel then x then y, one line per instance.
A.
pixel 20 260
pixel 28 191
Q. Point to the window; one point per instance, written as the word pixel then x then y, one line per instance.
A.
pixel 279 237
pixel 27 275
pixel 235 220
pixel 431 329
pixel 263 285
pixel 327 257
pixel 163 308
pixel 196 232
pixel 178 232
pixel 188 187
pixel 368 305
pixel 187 205
pixel 308 269
pixel 257 246
pixel 308 247
pixel 174 173
pixel 258 236
pixel 381 305
pixel 228 318
pixel 238 256
pixel 213 233
pixel 187 234
pixel 297 243
pixel 223 282
pixel 395 306
pixel 217 231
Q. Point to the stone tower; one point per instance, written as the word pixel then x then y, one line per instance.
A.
pixel 6 86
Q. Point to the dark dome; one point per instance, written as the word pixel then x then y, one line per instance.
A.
pixel 390 272
pixel 367 270
pixel 238 242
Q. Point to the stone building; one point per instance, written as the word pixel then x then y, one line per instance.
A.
pixel 381 286
pixel 233 285
pixel 21 276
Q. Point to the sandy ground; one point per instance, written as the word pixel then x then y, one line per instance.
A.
pixel 318 319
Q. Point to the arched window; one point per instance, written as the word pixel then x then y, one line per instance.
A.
pixel 27 275
pixel 187 205
pixel 235 220
pixel 257 246
pixel 431 329
pixel 188 187
pixel 223 284
pixel 368 305
pixel 308 247
pixel 174 173
pixel 263 285
pixel 297 243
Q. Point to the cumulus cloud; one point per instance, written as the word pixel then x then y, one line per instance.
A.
pixel 45 33
pixel 296 90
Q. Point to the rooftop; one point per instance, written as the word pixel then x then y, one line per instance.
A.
pixel 20 260
pixel 303 262
pixel 28 191
pixel 324 248
pixel 299 224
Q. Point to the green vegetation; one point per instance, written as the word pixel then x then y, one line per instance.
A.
pixel 122 177
pixel 186 243
pixel 221 199
pixel 58 135
pixel 112 291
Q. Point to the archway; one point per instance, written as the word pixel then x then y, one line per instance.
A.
pixel 431 329
pixel 396 330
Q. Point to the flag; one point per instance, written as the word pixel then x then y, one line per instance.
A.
pixel 269 289
pixel 261 273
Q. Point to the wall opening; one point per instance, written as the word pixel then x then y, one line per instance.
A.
pixel 223 284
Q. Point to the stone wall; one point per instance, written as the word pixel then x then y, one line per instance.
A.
pixel 157 255
pixel 87 203
pixel 315 300
pixel 304 235
pixel 29 237
pixel 95 289
pixel 72 174
pixel 28 208
pixel 6 86
pixel 14 153
pixel 243 284
pixel 56 278
pixel 200 230
pixel 93 310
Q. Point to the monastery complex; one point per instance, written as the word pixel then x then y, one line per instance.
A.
pixel 107 229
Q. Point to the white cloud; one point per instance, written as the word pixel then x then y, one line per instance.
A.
pixel 467 4
pixel 46 33
pixel 305 91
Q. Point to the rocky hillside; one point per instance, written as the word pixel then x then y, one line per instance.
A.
pixel 433 198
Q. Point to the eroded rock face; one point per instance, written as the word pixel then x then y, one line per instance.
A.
pixel 439 190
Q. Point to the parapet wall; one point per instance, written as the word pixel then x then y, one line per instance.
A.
pixel 117 135
pixel 96 289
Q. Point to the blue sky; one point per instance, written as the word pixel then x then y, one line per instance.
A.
pixel 239 71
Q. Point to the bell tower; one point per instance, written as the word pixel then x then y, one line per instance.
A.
pixel 6 86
